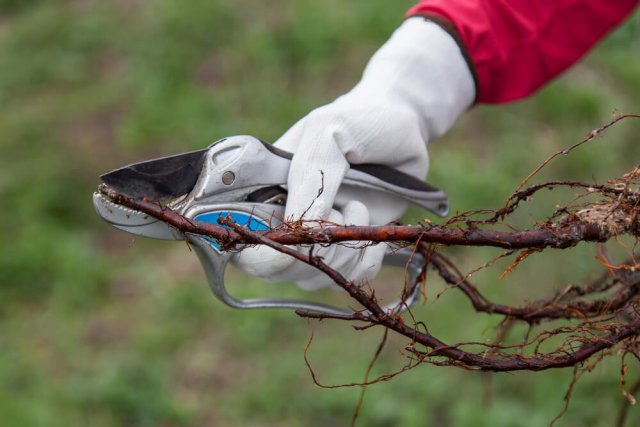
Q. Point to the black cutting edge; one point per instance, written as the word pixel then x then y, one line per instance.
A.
pixel 172 176
pixel 158 179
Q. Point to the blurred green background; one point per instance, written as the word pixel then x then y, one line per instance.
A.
pixel 98 328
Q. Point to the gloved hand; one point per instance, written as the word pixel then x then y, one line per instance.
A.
pixel 413 89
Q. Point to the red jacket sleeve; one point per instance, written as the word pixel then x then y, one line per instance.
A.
pixel 516 46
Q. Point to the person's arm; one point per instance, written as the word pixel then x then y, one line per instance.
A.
pixel 516 46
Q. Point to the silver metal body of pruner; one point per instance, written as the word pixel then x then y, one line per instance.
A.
pixel 245 179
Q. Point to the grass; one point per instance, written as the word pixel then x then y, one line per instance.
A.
pixel 99 329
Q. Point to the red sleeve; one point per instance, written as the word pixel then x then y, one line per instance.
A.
pixel 516 46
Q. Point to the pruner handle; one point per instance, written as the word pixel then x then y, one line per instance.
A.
pixel 259 216
pixel 215 264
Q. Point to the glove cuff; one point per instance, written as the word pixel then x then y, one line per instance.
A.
pixel 420 68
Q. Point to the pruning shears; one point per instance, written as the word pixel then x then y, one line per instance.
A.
pixel 245 179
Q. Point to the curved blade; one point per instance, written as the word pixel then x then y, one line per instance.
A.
pixel 132 221
pixel 158 179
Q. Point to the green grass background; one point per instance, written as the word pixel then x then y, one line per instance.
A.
pixel 100 329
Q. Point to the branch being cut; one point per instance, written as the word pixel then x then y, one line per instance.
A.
pixel 559 235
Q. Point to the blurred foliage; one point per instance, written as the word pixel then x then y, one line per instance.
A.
pixel 99 329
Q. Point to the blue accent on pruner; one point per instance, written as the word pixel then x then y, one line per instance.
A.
pixel 241 218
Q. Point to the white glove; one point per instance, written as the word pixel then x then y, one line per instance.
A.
pixel 413 89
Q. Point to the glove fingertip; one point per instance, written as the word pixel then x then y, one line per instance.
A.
pixel 356 213
pixel 262 261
